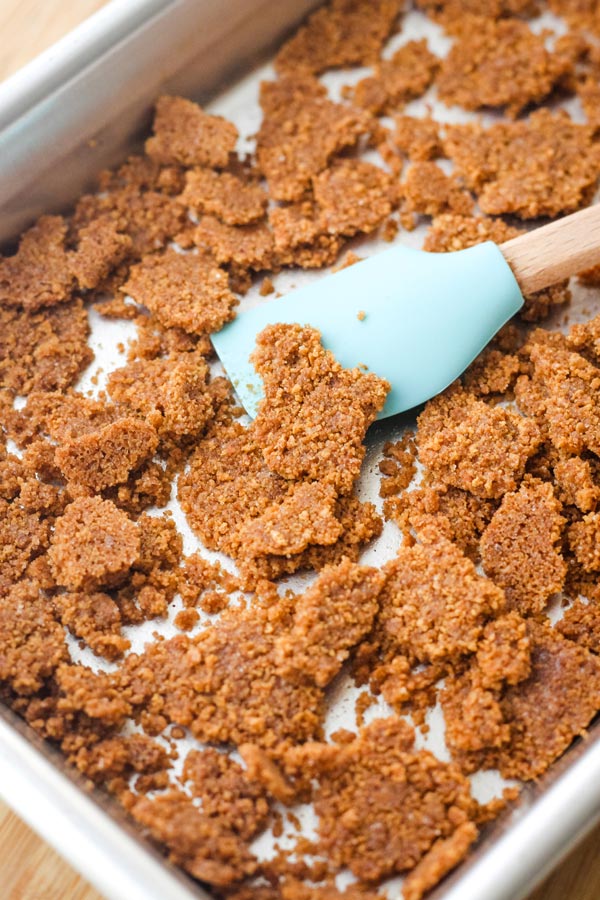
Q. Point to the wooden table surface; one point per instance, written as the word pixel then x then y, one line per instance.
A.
pixel 29 869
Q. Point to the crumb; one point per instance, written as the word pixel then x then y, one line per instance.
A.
pixel 470 445
pixel 93 544
pixel 198 576
pixel 459 515
pixel 38 275
pixel 506 165
pixel 100 249
pixel 185 291
pixel 300 132
pixel 398 465
pixel 305 516
pixel 390 229
pixel 267 287
pixel 504 653
pixel 445 854
pixel 568 408
pixel 213 602
pixel 551 707
pixel 296 431
pixel 428 190
pixel 329 619
pixel 349 260
pixel 299 237
pixel 450 12
pixel 184 134
pixel 396 81
pixel 240 699
pixel 578 15
pixel 434 605
pixel 381 762
pixel 227 484
pixel 520 548
pixel 45 350
pixel 96 619
pixel 246 246
pixel 210 852
pixel 417 139
pixel 363 702
pixel 584 542
pixel 493 372
pixel 150 220
pixel 186 619
pixel 32 641
pixel 262 769
pixel 226 196
pixel 106 457
pixel 172 393
pixel 499 63
pixel 575 483
pixel 581 623
pixel 353 196
pixel 342 33
pixel 23 537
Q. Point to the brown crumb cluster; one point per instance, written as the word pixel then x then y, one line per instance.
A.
pixel 398 465
pixel 38 275
pixel 450 12
pixel 343 33
pixel 353 196
pixel 538 717
pixel 422 799
pixel 45 350
pixel 183 291
pixel 96 619
pixel 185 135
pixel 117 646
pixel 224 195
pixel 578 14
pixel 429 191
pixel 329 620
pixel 315 432
pixel 300 132
pixel 520 548
pixel 94 544
pixel 403 77
pixel 434 605
pixel 269 495
pixel 306 516
pixel 108 456
pixel 467 444
pixel 506 165
pixel 498 64
pixel 242 693
pixel 418 139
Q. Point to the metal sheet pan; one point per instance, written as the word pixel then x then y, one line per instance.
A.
pixel 80 106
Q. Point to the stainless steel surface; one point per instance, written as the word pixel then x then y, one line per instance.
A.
pixel 78 107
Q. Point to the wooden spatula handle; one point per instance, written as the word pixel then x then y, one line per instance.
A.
pixel 555 251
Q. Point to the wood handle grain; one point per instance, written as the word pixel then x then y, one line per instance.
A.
pixel 555 251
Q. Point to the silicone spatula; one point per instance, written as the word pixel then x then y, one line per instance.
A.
pixel 418 319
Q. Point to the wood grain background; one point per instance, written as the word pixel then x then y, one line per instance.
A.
pixel 29 869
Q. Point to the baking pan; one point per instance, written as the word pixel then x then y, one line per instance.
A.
pixel 84 104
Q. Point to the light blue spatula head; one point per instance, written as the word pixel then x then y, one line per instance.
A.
pixel 426 317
